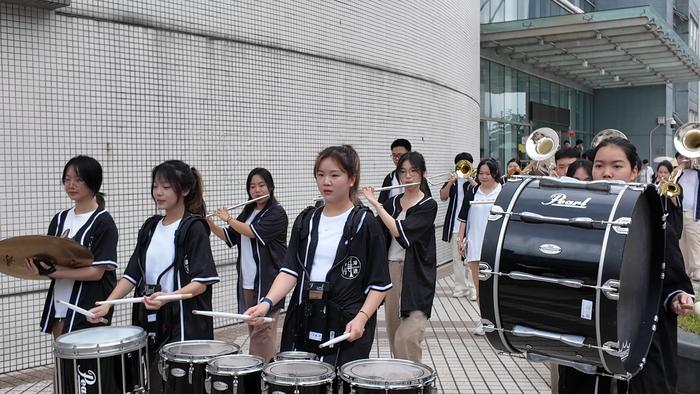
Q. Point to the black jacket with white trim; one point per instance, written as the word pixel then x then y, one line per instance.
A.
pixel 99 234
pixel 269 248
pixel 417 236
pixel 193 262
pixel 360 266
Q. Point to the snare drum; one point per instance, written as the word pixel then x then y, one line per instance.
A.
pixel 571 272
pixel 298 377
pixel 106 360
pixel 295 355
pixel 234 374
pixel 183 364
pixel 387 375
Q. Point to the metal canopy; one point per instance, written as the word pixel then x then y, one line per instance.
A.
pixel 604 49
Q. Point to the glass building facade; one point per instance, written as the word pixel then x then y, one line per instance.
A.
pixel 493 11
pixel 506 94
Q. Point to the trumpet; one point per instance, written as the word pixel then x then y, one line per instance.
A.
pixel 256 199
pixel 514 171
pixel 541 146
pixel 686 140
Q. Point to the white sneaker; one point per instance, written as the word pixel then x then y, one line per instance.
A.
pixel 472 295
pixel 460 293
pixel 478 330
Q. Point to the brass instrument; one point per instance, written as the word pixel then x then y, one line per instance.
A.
pixel 541 146
pixel 463 169
pixel 514 171
pixel 604 135
pixel 686 140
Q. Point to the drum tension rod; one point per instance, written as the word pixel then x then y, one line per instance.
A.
pixel 583 222
pixel 611 347
pixel 610 288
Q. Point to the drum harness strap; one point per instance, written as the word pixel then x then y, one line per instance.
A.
pixel 319 315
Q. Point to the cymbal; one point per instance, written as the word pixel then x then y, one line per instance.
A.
pixel 61 251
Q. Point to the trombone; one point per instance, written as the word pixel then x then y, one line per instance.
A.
pixel 686 140
pixel 241 204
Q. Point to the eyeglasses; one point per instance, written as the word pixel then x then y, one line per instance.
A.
pixel 77 181
pixel 412 171
pixel 396 155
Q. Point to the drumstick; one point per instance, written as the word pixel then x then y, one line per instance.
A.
pixel 82 311
pixel 138 300
pixel 335 340
pixel 231 316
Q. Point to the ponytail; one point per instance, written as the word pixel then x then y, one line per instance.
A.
pixel 100 198
pixel 194 201
pixel 183 177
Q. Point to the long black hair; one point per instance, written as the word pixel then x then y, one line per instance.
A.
pixel 267 177
pixel 182 177
pixel 90 171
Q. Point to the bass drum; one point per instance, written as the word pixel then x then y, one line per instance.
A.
pixel 571 272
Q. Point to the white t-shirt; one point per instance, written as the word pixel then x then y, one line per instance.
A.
pixel 160 255
pixel 330 230
pixel 476 222
pixel 395 182
pixel 460 198
pixel 63 288
pixel 248 267
pixel 396 251
pixel 689 183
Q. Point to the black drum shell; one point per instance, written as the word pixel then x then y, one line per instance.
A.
pixel 111 378
pixel 321 388
pixel 249 383
pixel 348 389
pixel 181 385
pixel 557 308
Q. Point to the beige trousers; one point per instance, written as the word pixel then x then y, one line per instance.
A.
pixel 462 276
pixel 263 338
pixel 405 334
pixel 690 245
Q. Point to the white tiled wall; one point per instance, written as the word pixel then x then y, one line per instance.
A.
pixel 225 86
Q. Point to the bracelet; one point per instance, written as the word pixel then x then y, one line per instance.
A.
pixel 364 313
pixel 268 300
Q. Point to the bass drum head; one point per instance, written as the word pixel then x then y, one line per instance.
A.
pixel 298 373
pixel 640 283
pixel 99 342
pixel 387 374
pixel 197 351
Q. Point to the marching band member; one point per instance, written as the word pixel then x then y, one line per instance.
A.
pixel 474 219
pixel 172 255
pixel 89 224
pixel 260 233
pixel 616 159
pixel 454 189
pixel 398 148
pixel 581 169
pixel 336 264
pixel 408 224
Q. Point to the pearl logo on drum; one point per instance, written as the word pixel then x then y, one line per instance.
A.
pixel 559 200
pixel 87 378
